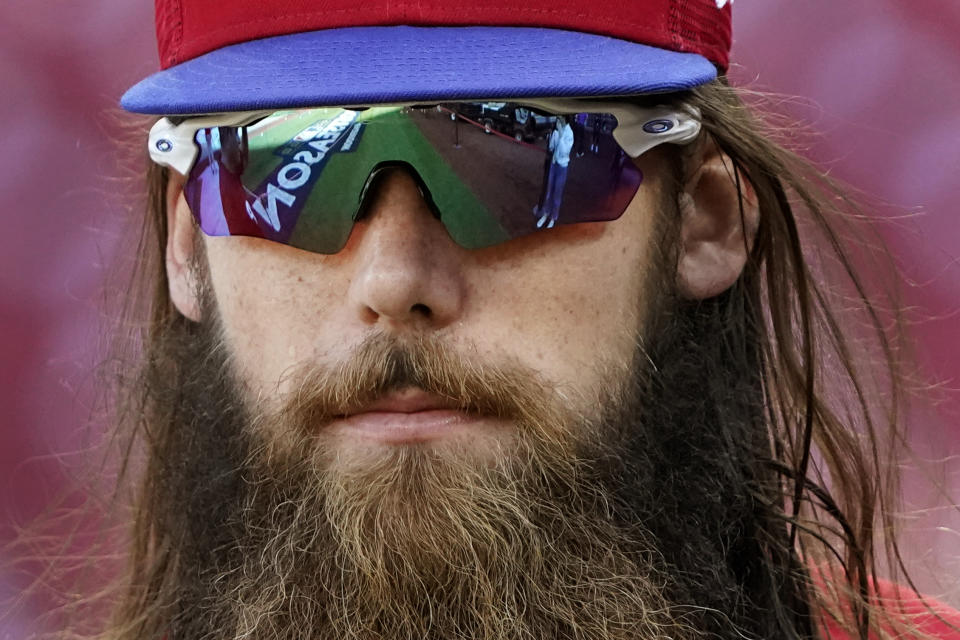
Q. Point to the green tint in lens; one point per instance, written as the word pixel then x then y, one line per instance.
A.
pixel 492 171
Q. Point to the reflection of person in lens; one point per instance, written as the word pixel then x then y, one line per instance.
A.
pixel 234 155
pixel 579 132
pixel 595 123
pixel 206 188
pixel 561 144
pixel 218 189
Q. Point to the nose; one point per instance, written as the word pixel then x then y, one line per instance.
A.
pixel 408 270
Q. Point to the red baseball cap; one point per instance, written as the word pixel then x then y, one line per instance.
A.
pixel 253 54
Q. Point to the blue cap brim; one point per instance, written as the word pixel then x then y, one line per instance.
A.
pixel 367 65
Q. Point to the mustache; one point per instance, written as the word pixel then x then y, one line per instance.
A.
pixel 385 363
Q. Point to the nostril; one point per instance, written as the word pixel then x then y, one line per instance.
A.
pixel 370 316
pixel 421 309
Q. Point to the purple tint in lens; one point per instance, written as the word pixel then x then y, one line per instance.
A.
pixel 524 170
pixel 259 180
pixel 491 171
pixel 214 190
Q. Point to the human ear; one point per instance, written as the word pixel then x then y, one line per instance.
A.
pixel 182 281
pixel 719 216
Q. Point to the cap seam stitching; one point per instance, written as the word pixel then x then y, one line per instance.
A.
pixel 178 38
pixel 675 37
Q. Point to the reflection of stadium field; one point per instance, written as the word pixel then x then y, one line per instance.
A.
pixel 278 132
pixel 402 141
pixel 334 197
pixel 498 170
pixel 486 188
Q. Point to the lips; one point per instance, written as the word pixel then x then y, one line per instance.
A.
pixel 408 401
pixel 408 416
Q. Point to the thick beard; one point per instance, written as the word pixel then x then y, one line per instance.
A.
pixel 417 542
pixel 615 525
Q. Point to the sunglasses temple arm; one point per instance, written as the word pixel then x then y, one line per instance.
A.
pixel 172 144
pixel 636 138
pixel 632 132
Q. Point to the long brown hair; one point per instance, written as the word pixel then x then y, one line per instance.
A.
pixel 833 445
pixel 836 454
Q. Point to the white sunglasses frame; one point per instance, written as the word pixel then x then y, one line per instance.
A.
pixel 639 129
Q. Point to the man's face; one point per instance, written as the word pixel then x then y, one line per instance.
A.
pixel 567 304
pixel 433 442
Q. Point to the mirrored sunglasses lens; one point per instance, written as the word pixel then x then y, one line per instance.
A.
pixel 491 171
pixel 270 180
pixel 516 170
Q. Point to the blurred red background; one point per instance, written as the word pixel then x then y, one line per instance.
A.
pixel 881 85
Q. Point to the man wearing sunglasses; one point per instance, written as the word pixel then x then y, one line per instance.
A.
pixel 380 398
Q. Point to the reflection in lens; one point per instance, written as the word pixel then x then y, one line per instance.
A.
pixel 527 167
pixel 492 170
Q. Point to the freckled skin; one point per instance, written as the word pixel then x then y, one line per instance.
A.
pixel 559 301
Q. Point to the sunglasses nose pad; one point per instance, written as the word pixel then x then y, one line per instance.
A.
pixel 368 193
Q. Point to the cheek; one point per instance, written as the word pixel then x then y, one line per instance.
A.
pixel 567 303
pixel 572 308
pixel 271 309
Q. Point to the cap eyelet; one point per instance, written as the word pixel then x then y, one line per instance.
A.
pixel 164 146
